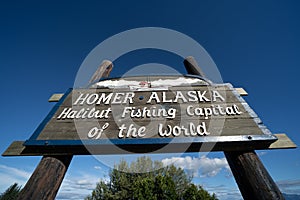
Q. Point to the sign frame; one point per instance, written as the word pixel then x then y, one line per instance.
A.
pixel 132 145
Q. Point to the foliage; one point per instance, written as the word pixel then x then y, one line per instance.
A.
pixel 157 183
pixel 11 193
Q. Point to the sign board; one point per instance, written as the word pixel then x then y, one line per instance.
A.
pixel 151 114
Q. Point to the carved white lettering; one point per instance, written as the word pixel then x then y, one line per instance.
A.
pixel 191 130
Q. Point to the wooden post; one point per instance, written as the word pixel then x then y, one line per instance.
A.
pixel 192 67
pixel 46 179
pixel 253 179
pixel 49 174
pixel 103 71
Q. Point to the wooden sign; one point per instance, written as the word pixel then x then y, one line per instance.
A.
pixel 155 114
pixel 144 114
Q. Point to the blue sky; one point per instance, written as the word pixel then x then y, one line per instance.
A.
pixel 254 44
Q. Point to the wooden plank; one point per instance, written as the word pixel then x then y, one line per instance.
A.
pixel 283 142
pixel 69 131
pixel 16 148
pixel 241 91
pixel 65 129
pixel 161 112
pixel 56 97
pixel 224 91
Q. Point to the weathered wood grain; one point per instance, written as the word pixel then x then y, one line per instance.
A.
pixel 283 142
pixel 70 131
pixel 241 91
pixel 170 94
pixel 102 71
pixel 228 125
pixel 46 179
pixel 253 179
pixel 118 113
pixel 192 67
pixel 16 148
pixel 55 97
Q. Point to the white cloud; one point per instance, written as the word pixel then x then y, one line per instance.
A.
pixel 15 171
pixel 11 175
pixel 262 153
pixel 79 186
pixel 73 187
pixel 70 195
pixel 207 167
pixel 97 167
pixel 224 192
pixel 289 186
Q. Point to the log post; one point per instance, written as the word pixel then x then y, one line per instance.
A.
pixel 45 181
pixel 253 179
pixel 192 67
pixel 103 71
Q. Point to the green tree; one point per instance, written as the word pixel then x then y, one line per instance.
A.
pixel 194 192
pixel 11 193
pixel 156 183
